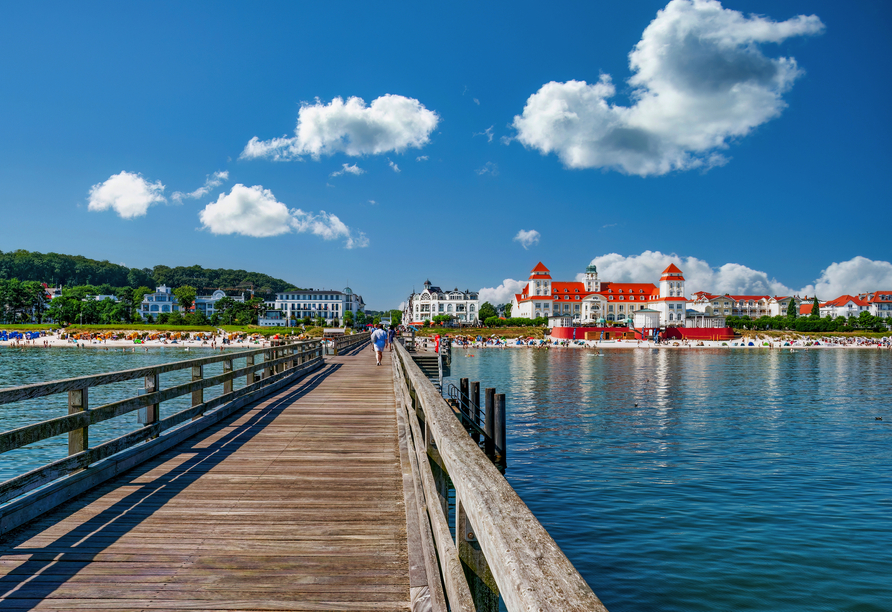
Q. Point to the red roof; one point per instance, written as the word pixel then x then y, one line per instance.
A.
pixel 845 299
pixel 672 269
pixel 805 309
pixel 540 267
pixel 749 297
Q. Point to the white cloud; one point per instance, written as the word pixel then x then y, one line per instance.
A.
pixel 476 101
pixel 699 80
pixel 488 168
pixel 389 123
pixel 501 294
pixel 254 211
pixel 421 158
pixel 393 166
pixel 372 202
pixel 851 277
pixel 127 193
pixel 348 169
pixel 213 180
pixel 527 238
pixel 848 277
pixel 487 132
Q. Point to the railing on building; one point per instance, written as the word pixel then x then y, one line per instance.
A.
pixel 280 365
pixel 499 547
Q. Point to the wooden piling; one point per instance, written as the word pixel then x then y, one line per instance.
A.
pixel 500 424
pixel 489 424
pixel 475 409
pixel 79 439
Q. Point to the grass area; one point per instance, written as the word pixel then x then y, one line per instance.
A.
pixel 793 335
pixel 486 332
pixel 29 327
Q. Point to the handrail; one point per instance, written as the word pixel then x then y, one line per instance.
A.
pixel 531 571
pixel 344 342
pixel 280 361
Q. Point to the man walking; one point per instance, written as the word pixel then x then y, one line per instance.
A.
pixel 391 335
pixel 379 342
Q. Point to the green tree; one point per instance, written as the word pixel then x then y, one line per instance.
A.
pixel 396 317
pixel 348 319
pixel 138 294
pixel 792 311
pixel 486 311
pixel 360 318
pixel 185 297
pixel 815 308
pixel 507 311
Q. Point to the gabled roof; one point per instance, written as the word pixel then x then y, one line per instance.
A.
pixel 540 267
pixel 749 297
pixel 672 269
pixel 845 299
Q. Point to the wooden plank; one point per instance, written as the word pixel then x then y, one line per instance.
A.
pixel 294 503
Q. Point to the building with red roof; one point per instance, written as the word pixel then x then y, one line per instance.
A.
pixel 592 300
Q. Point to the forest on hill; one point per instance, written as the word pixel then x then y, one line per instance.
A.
pixel 75 270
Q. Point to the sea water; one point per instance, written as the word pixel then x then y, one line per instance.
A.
pixel 706 479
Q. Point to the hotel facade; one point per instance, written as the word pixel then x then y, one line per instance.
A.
pixel 462 306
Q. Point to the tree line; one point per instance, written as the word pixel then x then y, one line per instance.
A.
pixel 56 269
pixel 811 323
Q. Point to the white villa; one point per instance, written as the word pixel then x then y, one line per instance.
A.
pixel 592 301
pixel 461 305
pixel 290 306
pixel 164 301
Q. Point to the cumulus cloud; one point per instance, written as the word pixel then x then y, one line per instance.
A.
pixel 393 166
pixel 127 193
pixel 389 123
pixel 848 277
pixel 421 158
pixel 488 168
pixel 503 293
pixel 851 277
pixel 255 211
pixel 527 238
pixel 699 80
pixel 213 180
pixel 348 169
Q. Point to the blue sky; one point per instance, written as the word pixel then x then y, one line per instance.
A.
pixel 780 187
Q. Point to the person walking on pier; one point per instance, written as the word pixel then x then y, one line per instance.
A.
pixel 379 342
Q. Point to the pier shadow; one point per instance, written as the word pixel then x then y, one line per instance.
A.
pixel 50 566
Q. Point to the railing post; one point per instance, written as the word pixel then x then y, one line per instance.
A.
pixel 227 368
pixel 481 582
pixel 197 396
pixel 475 409
pixel 489 424
pixel 500 428
pixel 153 411
pixel 463 400
pixel 250 378
pixel 79 439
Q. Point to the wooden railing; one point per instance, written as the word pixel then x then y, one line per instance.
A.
pixel 280 363
pixel 343 343
pixel 499 545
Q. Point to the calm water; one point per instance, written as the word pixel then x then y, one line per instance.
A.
pixel 743 479
pixel 32 365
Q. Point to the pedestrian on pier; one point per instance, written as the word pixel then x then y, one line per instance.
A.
pixel 379 342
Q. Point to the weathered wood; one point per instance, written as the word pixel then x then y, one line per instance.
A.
pixel 198 394
pixel 29 434
pixel 500 424
pixel 475 408
pixel 38 477
pixel 489 426
pixel 16 394
pixel 481 582
pixel 229 519
pixel 530 569
pixel 227 370
pixel 458 594
pixel 78 439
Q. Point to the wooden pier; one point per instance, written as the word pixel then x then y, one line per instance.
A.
pixel 320 485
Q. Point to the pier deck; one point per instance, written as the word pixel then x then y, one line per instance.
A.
pixel 293 503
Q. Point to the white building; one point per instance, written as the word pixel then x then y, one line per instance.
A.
pixel 844 306
pixel 879 303
pixel 462 306
pixel 326 303
pixel 164 301
pixel 592 301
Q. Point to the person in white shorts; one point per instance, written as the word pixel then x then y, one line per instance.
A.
pixel 379 342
